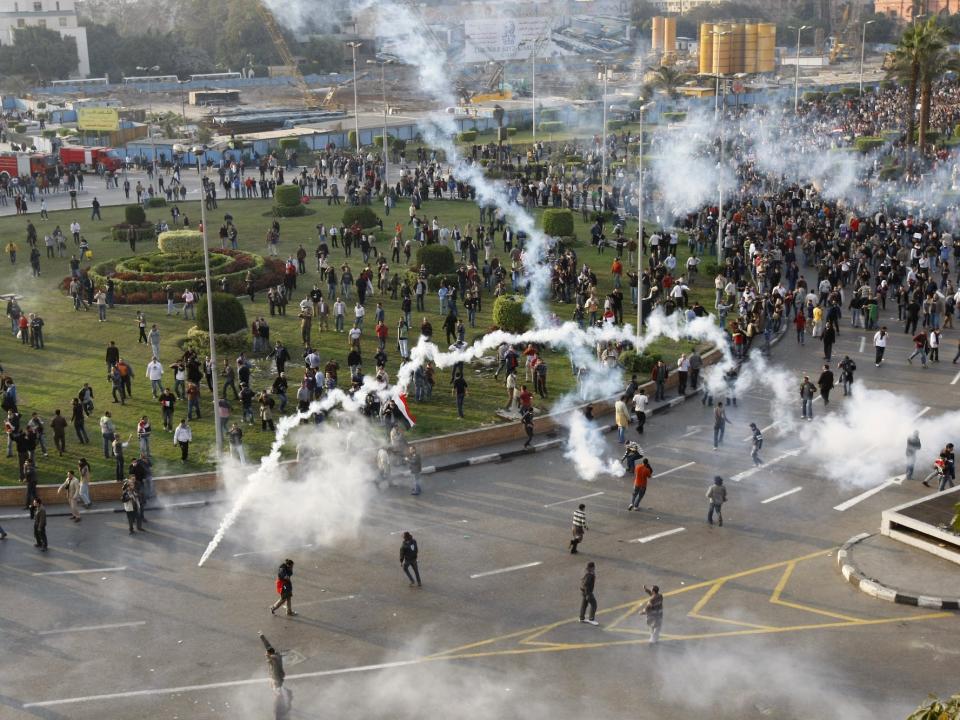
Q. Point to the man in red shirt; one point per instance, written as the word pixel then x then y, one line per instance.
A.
pixel 526 398
pixel 641 475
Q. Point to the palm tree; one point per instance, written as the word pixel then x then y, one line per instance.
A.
pixel 668 79
pixel 936 63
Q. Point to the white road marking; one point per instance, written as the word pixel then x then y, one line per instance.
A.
pixel 227 684
pixel 651 538
pixel 781 495
pixel 272 550
pixel 81 572
pixel 505 570
pixel 582 497
pixel 922 413
pixel 325 600
pixel 691 433
pixel 956 379
pixel 398 532
pixel 87 628
pixel 863 340
pixel 679 467
pixel 754 470
pixel 864 495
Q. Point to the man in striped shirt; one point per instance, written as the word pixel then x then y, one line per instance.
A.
pixel 579 526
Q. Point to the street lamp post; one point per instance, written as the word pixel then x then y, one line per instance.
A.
pixel 533 91
pixel 198 151
pixel 643 109
pixel 354 46
pixel 863 50
pixel 796 82
pixel 383 88
pixel 603 151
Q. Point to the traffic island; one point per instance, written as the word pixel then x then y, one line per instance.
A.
pixel 929 524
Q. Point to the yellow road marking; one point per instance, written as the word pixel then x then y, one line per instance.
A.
pixel 775 599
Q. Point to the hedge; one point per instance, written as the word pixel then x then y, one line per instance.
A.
pixel 157 202
pixel 549 114
pixel 180 242
pixel 467 136
pixel 643 363
pixel 674 116
pixel 62 132
pixel 867 143
pixel 378 141
pixel 289 144
pixel 227 312
pixel 850 91
pixel 49 133
pixel 287 195
pixel 812 96
pixel 615 124
pixel 438 259
pixel 363 215
pixel 551 126
pixel 145 233
pixel 290 210
pixel 20 128
pixel 558 223
pixel 227 343
pixel 433 281
pixel 508 314
pixel 511 131
pixel 134 215
pixel 352 138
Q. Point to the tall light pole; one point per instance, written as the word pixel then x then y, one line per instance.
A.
pixel 643 109
pixel 354 46
pixel 383 88
pixel 720 192
pixel 796 82
pixel 863 50
pixel 533 84
pixel 199 150
pixel 603 151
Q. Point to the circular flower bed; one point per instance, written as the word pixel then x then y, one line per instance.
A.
pixel 142 278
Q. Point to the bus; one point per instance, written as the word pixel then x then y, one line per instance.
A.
pixel 80 82
pixel 216 76
pixel 150 79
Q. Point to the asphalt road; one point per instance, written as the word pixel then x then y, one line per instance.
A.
pixel 758 621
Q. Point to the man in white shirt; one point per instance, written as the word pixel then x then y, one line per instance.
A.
pixel 155 375
pixel 189 305
pixel 182 437
pixel 75 231
pixel 339 310
pixel 640 401
pixel 359 313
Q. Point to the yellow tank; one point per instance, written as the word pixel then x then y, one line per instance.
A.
pixel 750 48
pixel 670 35
pixel 723 48
pixel 766 47
pixel 736 48
pixel 706 48
pixel 657 40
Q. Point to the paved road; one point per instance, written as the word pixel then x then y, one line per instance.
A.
pixel 759 623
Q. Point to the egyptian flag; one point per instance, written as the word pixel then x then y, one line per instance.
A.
pixel 400 401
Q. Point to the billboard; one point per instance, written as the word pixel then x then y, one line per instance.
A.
pixel 100 119
pixel 501 38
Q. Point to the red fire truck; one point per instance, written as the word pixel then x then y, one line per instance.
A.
pixel 25 164
pixel 88 158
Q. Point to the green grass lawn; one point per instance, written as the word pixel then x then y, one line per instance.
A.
pixel 76 342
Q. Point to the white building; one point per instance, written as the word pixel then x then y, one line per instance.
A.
pixel 59 15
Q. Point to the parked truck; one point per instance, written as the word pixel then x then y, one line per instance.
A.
pixel 90 158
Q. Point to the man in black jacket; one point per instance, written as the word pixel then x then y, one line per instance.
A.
pixel 587 583
pixel 408 558
pixel 40 524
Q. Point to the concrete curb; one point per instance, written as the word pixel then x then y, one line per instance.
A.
pixel 111 511
pixel 874 588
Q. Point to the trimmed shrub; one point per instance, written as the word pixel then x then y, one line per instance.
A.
pixel 812 96
pixel 290 210
pixel 352 138
pixel 615 124
pixel 391 141
pixel 850 91
pixel 145 233
pixel 438 259
pixel 363 215
pixel 835 95
pixel 639 364
pixel 49 133
pixel 890 172
pixel 508 314
pixel 157 202
pixel 180 242
pixel 63 132
pixel 674 116
pixel 548 115
pixel 467 136
pixel 228 314
pixel 228 343
pixel 511 131
pixel 287 195
pixel 557 222
pixel 551 126
pixel 134 215
pixel 20 128
pixel 867 143
pixel 289 144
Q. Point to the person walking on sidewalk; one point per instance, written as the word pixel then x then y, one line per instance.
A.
pixel 913 446
pixel 716 496
pixel 274 663
pixel 579 527
pixel 416 466
pixel 587 598
pixel 757 442
pixel 719 425
pixel 40 524
pixel 132 505
pixel 526 419
pixel 641 475
pixel 284 588
pixel 622 417
pixel 640 401
pixel 654 612
pixel 409 552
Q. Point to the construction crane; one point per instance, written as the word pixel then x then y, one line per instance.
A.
pixel 310 100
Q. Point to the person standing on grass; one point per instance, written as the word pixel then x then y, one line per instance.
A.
pixel 587 597
pixel 154 374
pixel 460 392
pixel 182 436
pixel 78 417
pixel 108 432
pixel 641 476
pixel 154 338
pixel 59 426
pixel 143 435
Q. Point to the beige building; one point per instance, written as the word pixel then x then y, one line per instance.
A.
pixel 58 15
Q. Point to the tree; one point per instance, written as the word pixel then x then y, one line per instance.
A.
pixel 917 59
pixel 666 78
pixel 937 61
pixel 936 709
pixel 39 51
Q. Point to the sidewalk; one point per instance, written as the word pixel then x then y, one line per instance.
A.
pixel 894 571
pixel 159 503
